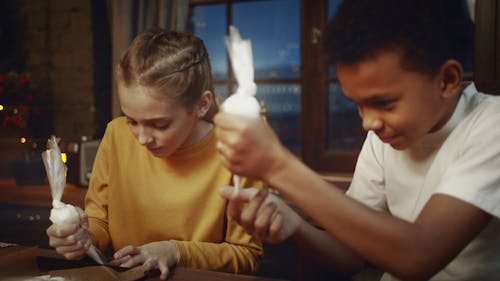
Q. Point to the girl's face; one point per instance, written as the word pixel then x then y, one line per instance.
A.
pixel 158 122
pixel 399 105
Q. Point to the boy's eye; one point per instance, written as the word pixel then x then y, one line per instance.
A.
pixel 384 104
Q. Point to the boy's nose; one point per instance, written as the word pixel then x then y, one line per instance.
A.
pixel 371 122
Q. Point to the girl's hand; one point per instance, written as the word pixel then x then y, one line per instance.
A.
pixel 71 240
pixel 159 255
pixel 262 214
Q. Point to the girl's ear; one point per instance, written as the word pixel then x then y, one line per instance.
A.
pixel 204 103
pixel 451 73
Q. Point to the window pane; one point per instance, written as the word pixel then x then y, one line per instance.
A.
pixel 221 91
pixel 282 102
pixel 274 29
pixel 209 23
pixel 344 133
pixel 332 7
pixel 344 130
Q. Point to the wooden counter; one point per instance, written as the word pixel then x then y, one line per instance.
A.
pixel 38 195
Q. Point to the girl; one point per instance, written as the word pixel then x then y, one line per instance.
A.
pixel 152 196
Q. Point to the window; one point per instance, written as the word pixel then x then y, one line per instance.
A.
pixel 293 81
pixel 487 46
pixel 273 27
pixel 304 101
pixel 333 136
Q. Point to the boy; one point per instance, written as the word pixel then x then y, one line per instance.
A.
pixel 423 202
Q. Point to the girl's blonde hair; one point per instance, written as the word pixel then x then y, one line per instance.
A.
pixel 169 62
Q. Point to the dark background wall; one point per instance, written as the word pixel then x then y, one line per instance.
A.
pixel 64 45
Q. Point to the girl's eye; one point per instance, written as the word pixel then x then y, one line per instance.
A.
pixel 161 127
pixel 131 122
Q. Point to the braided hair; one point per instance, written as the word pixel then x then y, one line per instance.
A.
pixel 169 62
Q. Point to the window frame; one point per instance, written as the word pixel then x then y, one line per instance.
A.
pixel 487 46
pixel 313 82
pixel 314 102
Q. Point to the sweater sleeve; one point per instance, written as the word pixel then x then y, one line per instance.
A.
pixel 238 253
pixel 96 198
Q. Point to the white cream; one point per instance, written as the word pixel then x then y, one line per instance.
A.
pixel 64 213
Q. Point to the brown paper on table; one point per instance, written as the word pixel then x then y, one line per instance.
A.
pixel 20 263
pixel 98 272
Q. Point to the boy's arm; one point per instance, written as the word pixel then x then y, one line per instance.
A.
pixel 325 250
pixel 408 250
pixel 268 217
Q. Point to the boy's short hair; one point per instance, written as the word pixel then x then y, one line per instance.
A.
pixel 428 32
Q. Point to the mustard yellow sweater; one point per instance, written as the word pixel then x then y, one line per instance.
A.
pixel 135 198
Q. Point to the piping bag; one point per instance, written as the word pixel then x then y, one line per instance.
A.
pixel 243 101
pixel 62 213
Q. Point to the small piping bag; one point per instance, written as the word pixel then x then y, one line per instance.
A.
pixel 243 101
pixel 62 213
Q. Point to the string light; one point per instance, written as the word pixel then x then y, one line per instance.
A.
pixel 64 157
pixel 1 107
pixel 23 140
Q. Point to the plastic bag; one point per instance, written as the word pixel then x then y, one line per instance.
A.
pixel 62 213
pixel 243 101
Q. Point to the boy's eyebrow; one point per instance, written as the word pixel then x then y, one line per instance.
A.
pixel 378 97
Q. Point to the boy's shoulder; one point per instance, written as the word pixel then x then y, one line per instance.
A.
pixel 479 116
pixel 481 104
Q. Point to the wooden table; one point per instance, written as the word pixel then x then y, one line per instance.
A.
pixel 19 261
pixel 40 196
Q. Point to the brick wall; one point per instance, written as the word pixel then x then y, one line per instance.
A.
pixel 57 39
pixel 57 50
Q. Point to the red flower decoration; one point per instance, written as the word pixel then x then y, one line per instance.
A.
pixel 17 98
pixel 36 111
pixel 6 121
pixel 24 79
pixel 28 98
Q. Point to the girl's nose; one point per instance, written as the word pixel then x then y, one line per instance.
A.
pixel 143 137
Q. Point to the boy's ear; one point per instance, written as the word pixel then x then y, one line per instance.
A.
pixel 204 103
pixel 451 73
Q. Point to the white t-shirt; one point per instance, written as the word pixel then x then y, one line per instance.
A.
pixel 462 160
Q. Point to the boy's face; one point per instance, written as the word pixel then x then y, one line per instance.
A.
pixel 399 105
pixel 158 123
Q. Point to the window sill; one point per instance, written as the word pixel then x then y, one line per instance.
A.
pixel 340 180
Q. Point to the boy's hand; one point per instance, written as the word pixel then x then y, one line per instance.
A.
pixel 262 214
pixel 71 240
pixel 248 146
pixel 159 255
